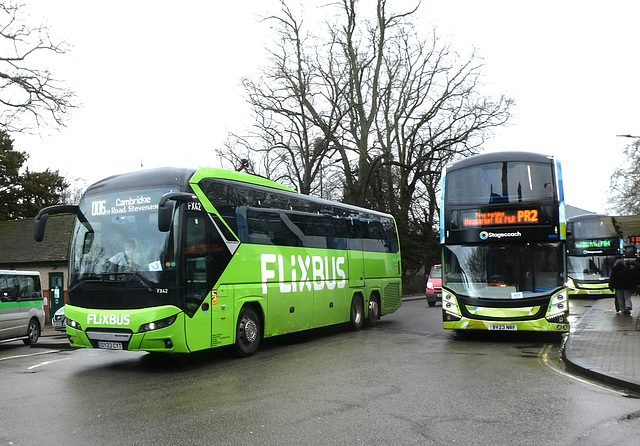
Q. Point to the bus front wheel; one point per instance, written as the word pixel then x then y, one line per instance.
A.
pixel 357 313
pixel 248 332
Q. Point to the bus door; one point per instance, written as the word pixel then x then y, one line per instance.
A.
pixel 205 258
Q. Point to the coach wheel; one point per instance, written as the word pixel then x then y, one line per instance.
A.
pixel 248 332
pixel 357 313
pixel 33 332
pixel 374 311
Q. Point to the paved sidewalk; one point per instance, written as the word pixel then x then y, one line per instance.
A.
pixel 606 345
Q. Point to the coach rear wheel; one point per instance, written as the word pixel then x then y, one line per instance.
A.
pixel 374 311
pixel 357 313
pixel 248 332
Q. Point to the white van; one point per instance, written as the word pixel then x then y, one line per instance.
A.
pixel 21 309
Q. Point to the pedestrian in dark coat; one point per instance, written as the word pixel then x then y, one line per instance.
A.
pixel 624 282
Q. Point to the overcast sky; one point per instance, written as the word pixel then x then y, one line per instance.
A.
pixel 159 80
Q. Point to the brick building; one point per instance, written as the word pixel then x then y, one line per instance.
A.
pixel 19 251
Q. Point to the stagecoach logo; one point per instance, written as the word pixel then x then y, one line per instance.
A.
pixel 484 235
pixel 300 274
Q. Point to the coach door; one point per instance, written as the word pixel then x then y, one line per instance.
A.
pixel 206 255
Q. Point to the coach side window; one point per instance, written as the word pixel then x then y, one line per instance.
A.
pixel 375 238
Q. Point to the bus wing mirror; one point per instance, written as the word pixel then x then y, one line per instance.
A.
pixel 40 222
pixel 39 225
pixel 168 204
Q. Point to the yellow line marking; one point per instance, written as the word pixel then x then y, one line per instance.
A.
pixel 543 358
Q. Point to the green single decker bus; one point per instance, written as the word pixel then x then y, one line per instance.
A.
pixel 503 232
pixel 592 248
pixel 181 260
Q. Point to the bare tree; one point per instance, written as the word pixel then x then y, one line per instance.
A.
pixel 295 110
pixel 625 183
pixel 390 107
pixel 30 96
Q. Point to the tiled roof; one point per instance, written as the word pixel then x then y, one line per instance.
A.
pixel 17 244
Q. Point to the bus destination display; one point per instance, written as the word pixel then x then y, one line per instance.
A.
pixel 476 218
pixel 598 243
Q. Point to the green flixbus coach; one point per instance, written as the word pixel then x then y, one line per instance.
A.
pixel 181 260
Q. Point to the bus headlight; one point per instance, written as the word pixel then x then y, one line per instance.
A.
pixel 449 303
pixel 559 306
pixel 156 325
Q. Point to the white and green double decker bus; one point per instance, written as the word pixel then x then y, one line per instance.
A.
pixel 593 246
pixel 180 260
pixel 503 233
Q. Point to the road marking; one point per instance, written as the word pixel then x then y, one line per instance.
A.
pixel 543 358
pixel 30 354
pixel 46 363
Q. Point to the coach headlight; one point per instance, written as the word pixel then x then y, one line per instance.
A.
pixel 156 325
pixel 73 324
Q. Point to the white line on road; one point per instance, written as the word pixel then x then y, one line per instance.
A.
pixel 46 363
pixel 30 354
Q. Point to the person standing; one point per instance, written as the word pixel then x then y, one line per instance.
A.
pixel 624 282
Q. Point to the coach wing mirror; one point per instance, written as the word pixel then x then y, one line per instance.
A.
pixel 40 222
pixel 168 204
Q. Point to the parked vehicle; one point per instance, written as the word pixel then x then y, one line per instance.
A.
pixel 21 308
pixel 57 321
pixel 434 285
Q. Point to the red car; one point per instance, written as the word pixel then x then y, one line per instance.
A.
pixel 434 285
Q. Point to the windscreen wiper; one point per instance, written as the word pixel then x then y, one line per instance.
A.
pixel 138 276
pixel 110 278
pixel 87 278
